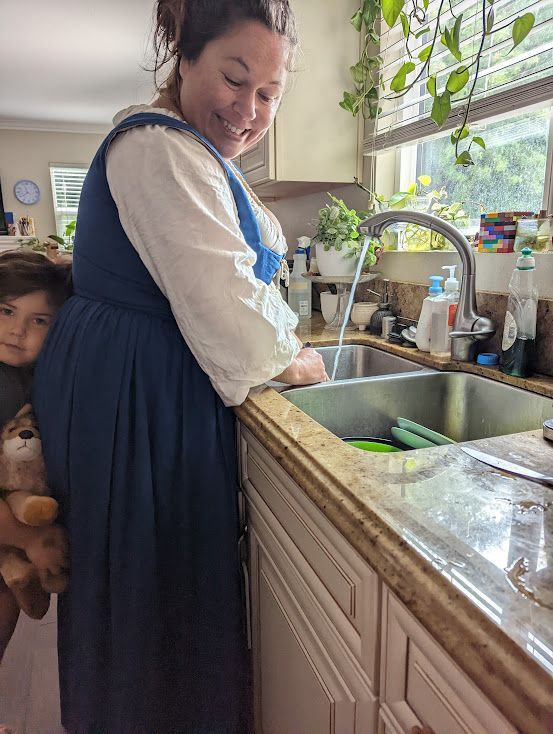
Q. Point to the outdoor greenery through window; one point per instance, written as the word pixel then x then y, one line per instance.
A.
pixel 508 176
pixel 67 182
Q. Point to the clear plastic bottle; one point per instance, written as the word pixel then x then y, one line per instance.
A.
pixel 519 331
pixel 299 288
pixel 443 314
pixel 425 318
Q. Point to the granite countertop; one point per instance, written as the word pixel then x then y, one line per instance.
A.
pixel 468 549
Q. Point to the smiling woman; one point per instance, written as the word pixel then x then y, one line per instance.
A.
pixel 175 317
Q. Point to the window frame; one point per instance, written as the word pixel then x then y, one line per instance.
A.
pixel 64 215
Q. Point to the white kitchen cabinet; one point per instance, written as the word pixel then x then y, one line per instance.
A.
pixel 313 142
pixel 333 649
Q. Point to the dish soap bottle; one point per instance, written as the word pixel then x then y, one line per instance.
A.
pixel 425 319
pixel 299 289
pixel 519 331
pixel 443 314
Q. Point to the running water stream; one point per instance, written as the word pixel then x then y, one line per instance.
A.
pixel 350 304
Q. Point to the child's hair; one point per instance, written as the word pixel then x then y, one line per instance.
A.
pixel 24 272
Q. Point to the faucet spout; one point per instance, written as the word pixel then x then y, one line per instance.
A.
pixel 469 326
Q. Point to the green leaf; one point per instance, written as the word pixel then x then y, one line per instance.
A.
pixel 412 189
pixel 425 4
pixel 358 72
pixel 391 10
pixel 399 200
pixel 460 133
pixel 398 82
pixel 479 141
pixel 490 18
pixel 441 108
pixel 57 239
pixel 457 35
pixel 464 159
pixel 405 24
pixel 522 27
pixel 371 10
pixel 348 102
pixel 425 53
pixel 425 180
pixel 431 85
pixel 357 20
pixel 449 41
pixel 457 79
pixel 422 31
pixel 375 38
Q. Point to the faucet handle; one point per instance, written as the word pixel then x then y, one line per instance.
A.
pixel 480 333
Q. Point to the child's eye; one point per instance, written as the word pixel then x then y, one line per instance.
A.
pixel 231 81
pixel 5 311
pixel 39 321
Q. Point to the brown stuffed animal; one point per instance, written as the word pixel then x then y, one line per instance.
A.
pixel 23 488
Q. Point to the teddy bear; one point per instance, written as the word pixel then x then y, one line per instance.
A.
pixel 28 570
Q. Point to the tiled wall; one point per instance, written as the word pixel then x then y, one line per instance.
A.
pixel 406 300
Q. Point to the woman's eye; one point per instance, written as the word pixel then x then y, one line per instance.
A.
pixel 232 82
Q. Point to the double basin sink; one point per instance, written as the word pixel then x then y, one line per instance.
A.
pixel 373 388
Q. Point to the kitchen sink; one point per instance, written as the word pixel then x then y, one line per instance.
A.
pixel 358 360
pixel 462 406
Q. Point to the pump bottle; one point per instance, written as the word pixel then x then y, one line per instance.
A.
pixel 425 318
pixel 443 314
pixel 299 289
pixel 519 331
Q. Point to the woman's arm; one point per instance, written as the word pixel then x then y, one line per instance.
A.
pixel 176 207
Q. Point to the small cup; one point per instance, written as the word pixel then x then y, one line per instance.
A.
pixel 387 325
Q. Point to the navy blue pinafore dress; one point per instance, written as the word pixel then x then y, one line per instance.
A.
pixel 140 454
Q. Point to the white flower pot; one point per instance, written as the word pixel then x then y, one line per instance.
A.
pixel 332 262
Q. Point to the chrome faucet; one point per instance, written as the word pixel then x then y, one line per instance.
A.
pixel 468 327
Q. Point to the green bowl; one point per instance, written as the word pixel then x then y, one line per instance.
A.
pixel 378 446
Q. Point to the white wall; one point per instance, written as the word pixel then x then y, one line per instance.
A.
pixel 27 154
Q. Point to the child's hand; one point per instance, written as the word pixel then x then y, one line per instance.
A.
pixel 48 549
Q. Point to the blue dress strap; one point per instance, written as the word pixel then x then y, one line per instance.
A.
pixel 268 262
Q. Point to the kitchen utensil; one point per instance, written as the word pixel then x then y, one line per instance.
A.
pixel 548 429
pixel 379 446
pixel 508 466
pixel 409 335
pixel 411 439
pixel 437 438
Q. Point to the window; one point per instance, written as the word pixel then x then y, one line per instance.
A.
pixel 67 183
pixel 515 161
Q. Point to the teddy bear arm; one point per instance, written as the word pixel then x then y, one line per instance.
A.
pixel 32 509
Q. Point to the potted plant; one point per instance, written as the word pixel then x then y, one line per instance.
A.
pixel 338 242
pixel 426 32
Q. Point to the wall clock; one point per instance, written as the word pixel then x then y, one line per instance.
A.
pixel 27 192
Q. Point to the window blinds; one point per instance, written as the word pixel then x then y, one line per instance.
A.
pixel 67 183
pixel 507 81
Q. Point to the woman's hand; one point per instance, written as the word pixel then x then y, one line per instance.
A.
pixel 421 730
pixel 306 369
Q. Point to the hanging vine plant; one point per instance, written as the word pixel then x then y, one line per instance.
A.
pixel 444 30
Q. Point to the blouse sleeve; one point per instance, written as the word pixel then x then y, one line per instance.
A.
pixel 176 208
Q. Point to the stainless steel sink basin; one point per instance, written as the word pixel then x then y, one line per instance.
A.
pixel 363 361
pixel 462 406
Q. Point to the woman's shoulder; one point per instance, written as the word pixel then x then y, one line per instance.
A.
pixel 162 141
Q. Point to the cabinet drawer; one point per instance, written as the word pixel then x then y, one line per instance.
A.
pixel 345 586
pixel 421 684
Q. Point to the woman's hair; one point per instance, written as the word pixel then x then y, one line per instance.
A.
pixel 184 27
pixel 24 272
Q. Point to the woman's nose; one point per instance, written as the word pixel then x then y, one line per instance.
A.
pixel 244 105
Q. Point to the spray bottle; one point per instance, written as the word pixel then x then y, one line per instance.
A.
pixel 299 289
pixel 519 331
pixel 424 324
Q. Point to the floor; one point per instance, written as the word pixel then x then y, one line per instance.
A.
pixel 29 694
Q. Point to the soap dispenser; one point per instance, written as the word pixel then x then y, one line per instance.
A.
pixel 425 318
pixel 375 325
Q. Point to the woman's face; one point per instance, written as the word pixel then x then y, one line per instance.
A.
pixel 231 93
pixel 24 323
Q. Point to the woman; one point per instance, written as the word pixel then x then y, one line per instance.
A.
pixel 174 317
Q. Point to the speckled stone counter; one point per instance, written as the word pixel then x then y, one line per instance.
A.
pixel 447 534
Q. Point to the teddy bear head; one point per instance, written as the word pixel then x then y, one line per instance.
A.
pixel 20 437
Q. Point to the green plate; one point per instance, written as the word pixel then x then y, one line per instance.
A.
pixel 437 438
pixel 411 439
pixel 383 448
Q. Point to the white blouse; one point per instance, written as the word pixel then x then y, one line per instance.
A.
pixel 177 209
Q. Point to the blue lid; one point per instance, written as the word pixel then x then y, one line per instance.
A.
pixel 488 358
pixel 435 289
pixel 300 251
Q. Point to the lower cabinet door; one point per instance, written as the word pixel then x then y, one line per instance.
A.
pixel 298 688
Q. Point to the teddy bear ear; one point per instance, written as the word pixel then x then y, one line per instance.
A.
pixel 25 410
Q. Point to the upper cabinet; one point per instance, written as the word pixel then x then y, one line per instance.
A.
pixel 313 141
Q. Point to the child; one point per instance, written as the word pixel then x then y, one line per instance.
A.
pixel 32 290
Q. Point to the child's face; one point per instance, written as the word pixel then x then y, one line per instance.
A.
pixel 24 323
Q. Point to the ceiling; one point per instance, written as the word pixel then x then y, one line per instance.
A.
pixel 71 64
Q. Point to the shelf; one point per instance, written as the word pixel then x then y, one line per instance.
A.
pixel 341 279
